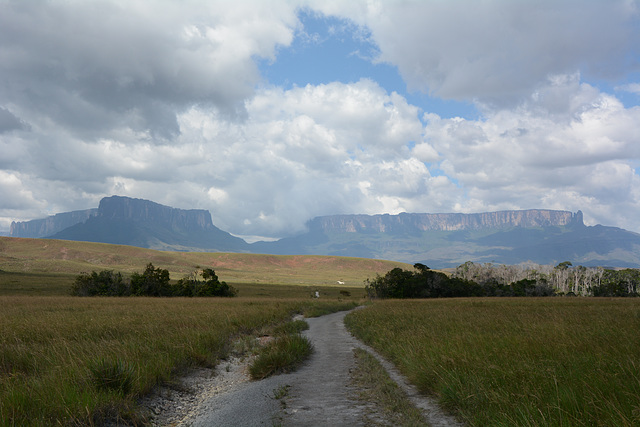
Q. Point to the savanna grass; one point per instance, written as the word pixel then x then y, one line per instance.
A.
pixel 525 362
pixel 292 327
pixel 283 354
pixel 71 360
pixel 382 393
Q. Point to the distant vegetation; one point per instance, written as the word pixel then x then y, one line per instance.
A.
pixel 489 280
pixel 426 283
pixel 153 282
pixel 564 278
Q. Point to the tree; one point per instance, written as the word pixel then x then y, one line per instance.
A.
pixel 104 283
pixel 192 286
pixel 154 282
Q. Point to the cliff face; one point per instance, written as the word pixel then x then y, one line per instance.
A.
pixel 406 222
pixel 50 225
pixel 117 208
pixel 126 208
pixel 137 222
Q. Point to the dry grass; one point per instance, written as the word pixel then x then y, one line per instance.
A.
pixel 70 360
pixel 527 361
pixel 60 258
pixel 386 399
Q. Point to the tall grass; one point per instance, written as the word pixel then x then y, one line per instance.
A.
pixel 284 354
pixel 526 362
pixel 70 360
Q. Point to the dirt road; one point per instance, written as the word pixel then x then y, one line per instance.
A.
pixel 320 393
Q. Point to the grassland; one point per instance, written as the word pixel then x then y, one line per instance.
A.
pixel 555 361
pixel 71 360
pixel 525 362
pixel 48 267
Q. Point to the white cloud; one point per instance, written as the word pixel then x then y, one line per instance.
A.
pixel 577 155
pixel 631 87
pixel 301 152
pixel 164 102
pixel 95 67
pixel 496 51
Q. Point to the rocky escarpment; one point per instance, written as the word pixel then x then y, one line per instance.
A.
pixel 50 225
pixel 416 222
pixel 126 208
pixel 135 222
pixel 117 208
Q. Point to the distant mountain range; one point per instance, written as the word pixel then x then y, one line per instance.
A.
pixel 135 222
pixel 437 240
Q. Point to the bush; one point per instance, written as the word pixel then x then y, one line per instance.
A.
pixel 104 283
pixel 154 282
pixel 426 283
pixel 423 283
pixel 191 286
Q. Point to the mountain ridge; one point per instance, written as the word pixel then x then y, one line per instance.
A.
pixel 438 239
pixel 382 223
pixel 143 223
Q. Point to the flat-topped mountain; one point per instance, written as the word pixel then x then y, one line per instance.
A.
pixel 126 208
pixel 137 222
pixel 438 240
pixel 50 225
pixel 450 239
pixel 414 222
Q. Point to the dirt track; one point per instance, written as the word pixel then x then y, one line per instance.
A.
pixel 320 393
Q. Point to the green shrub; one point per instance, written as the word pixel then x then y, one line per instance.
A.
pixel 426 283
pixel 154 282
pixel 192 286
pixel 104 283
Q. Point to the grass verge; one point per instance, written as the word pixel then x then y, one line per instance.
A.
pixel 527 361
pixel 388 401
pixel 317 308
pixel 80 361
pixel 284 354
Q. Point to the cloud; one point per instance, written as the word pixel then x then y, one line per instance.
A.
pixel 497 51
pixel 569 146
pixel 9 122
pixel 164 101
pixel 95 67
pixel 301 153
pixel 631 87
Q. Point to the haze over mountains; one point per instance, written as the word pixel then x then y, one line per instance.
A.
pixel 437 240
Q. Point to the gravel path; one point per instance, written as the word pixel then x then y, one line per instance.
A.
pixel 320 393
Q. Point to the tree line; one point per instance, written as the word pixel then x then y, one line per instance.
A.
pixel 564 278
pixel 491 280
pixel 153 282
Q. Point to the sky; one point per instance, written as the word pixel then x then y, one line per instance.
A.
pixel 268 114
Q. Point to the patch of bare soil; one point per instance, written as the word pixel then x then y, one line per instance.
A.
pixel 177 404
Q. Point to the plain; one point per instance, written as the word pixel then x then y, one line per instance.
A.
pixel 500 361
pixel 516 361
